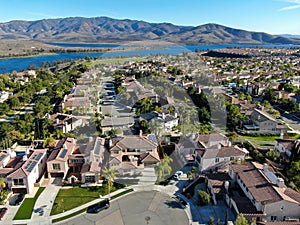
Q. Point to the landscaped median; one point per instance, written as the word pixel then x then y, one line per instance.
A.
pixel 83 209
pixel 27 206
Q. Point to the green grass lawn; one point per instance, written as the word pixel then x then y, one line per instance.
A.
pixel 83 210
pixel 261 138
pixel 67 199
pixel 27 206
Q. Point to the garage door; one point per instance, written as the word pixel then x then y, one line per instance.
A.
pixel 57 174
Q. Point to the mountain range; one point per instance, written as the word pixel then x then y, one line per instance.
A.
pixel 104 29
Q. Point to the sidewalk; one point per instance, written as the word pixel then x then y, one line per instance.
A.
pixel 44 203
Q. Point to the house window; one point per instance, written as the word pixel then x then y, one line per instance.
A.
pixel 217 160
pixel 19 181
pixel 273 218
pixel 90 179
pixel 56 166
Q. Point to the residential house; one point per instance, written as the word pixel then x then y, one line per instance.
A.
pixel 218 157
pixel 209 140
pixel 264 121
pixel 22 180
pixel 287 148
pixel 57 163
pixel 131 153
pixel 122 123
pixel 86 162
pixel 217 184
pixel 70 102
pixel 264 196
pixel 65 122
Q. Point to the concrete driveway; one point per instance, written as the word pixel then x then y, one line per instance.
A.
pixel 133 209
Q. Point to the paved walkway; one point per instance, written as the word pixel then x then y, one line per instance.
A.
pixel 148 177
pixel 44 203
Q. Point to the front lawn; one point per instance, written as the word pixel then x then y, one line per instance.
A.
pixel 67 199
pixel 27 206
pixel 261 138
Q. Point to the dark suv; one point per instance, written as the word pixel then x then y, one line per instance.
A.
pixel 99 206
pixel 19 199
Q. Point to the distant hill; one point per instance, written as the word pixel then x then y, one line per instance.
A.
pixel 290 36
pixel 104 29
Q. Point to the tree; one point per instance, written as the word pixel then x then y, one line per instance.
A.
pixel 2 184
pixel 294 173
pixel 203 198
pixel 110 175
pixel 163 168
pixel 144 105
pixel 241 220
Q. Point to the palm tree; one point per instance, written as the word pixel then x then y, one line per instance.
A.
pixel 110 175
pixel 48 141
pixel 163 168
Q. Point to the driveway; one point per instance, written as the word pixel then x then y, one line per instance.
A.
pixel 133 209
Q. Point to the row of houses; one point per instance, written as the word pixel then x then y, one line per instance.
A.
pixel 77 163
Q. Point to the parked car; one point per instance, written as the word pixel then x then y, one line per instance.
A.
pixel 99 207
pixel 2 212
pixel 19 199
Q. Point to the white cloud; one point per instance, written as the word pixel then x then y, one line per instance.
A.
pixel 296 5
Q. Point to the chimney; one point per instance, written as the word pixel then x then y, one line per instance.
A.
pixel 265 167
pixel 175 115
pixel 163 116
pixel 141 133
pixel 229 143
pixel 57 121
pixel 280 182
pixel 219 146
pixel 239 161
pixel 90 139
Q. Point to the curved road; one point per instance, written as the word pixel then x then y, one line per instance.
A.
pixel 132 209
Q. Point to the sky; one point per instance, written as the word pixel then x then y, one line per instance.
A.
pixel 271 16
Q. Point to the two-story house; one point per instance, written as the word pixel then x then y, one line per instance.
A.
pixel 57 163
pixel 287 149
pixel 131 153
pixel 22 180
pixel 265 196
pixel 218 157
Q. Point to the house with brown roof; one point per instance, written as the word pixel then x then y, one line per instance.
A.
pixel 264 196
pixel 85 164
pixel 131 153
pixel 57 163
pixel 209 140
pixel 218 157
pixel 65 122
pixel 22 180
pixel 287 148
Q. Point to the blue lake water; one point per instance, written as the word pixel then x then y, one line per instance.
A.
pixel 19 64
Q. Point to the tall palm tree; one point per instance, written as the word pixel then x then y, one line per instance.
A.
pixel 163 168
pixel 110 175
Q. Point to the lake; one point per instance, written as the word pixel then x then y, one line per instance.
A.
pixel 18 64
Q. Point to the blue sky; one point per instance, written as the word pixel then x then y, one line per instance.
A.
pixel 272 16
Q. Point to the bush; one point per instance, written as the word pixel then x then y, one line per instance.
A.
pixel 203 198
